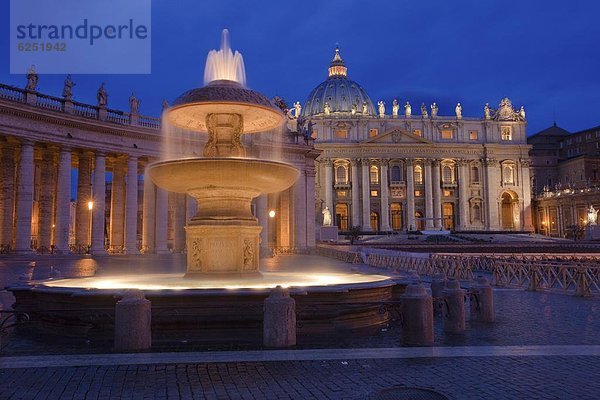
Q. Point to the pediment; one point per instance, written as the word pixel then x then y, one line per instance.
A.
pixel 397 136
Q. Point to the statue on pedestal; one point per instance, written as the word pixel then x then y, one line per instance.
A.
pixel 407 110
pixel 434 110
pixel 592 215
pixel 134 104
pixel 326 217
pixel 102 96
pixel 68 88
pixel 381 106
pixel 32 79
pixel 395 108
pixel 458 110
pixel 424 110
pixel 487 111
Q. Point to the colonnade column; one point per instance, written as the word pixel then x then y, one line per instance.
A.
pixel 310 207
pixel 366 195
pixel 46 198
pixel 385 202
pixel 437 195
pixel 117 206
pixel 131 206
pixel 179 223
pixel 149 216
pixel 84 196
pixel 356 216
pixel 463 194
pixel 7 193
pixel 410 196
pixel 492 180
pixel 526 185
pixel 24 199
pixel 99 209
pixel 428 195
pixel 329 186
pixel 300 208
pixel 162 216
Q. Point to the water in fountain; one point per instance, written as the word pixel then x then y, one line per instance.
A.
pixel 224 64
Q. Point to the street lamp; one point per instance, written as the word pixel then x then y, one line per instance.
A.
pixel 272 214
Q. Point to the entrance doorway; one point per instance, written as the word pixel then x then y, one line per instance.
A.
pixel 341 216
pixel 448 214
pixel 510 211
pixel 396 209
pixel 419 221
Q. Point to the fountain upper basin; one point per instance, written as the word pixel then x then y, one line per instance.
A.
pixel 187 175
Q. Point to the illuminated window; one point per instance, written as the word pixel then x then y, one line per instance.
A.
pixel 417 193
pixel 473 135
pixel 418 174
pixel 374 193
pixel 341 133
pixel 373 132
pixel 506 132
pixel 447 193
pixel 342 193
pixel 508 174
pixel 447 134
pixel 341 174
pixel 417 132
pixel 374 174
pixel 474 174
pixel 447 174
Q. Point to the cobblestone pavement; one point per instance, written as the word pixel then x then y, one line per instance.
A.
pixel 457 378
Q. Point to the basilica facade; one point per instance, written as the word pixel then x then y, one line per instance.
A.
pixel 384 170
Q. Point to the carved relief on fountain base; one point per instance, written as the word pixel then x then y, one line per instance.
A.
pixel 231 249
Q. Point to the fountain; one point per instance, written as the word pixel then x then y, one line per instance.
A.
pixel 222 292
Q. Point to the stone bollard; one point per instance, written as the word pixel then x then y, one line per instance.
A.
pixel 133 322
pixel 482 307
pixel 454 318
pixel 417 315
pixel 279 323
pixel 438 284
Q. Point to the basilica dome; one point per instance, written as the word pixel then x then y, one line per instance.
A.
pixel 338 94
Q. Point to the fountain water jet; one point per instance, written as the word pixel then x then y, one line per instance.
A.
pixel 224 236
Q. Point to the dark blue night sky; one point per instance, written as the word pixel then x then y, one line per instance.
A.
pixel 542 54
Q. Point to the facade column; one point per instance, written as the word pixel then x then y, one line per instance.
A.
pixel 410 196
pixel 329 187
pixel 7 194
pixel 149 216
pixel 310 206
pixel 179 223
pixel 385 198
pixel 24 199
pixel 162 219
pixel 84 196
pixel 463 194
pixel 492 182
pixel 131 206
pixel 99 209
pixel 117 207
pixel 262 213
pixel 527 216
pixel 46 199
pixel 437 195
pixel 366 196
pixel 356 216
pixel 300 207
pixel 428 195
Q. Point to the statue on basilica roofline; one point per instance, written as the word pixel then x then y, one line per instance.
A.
pixel 424 110
pixel 364 108
pixel 381 106
pixel 395 108
pixel 134 104
pixel 522 112
pixel 327 108
pixel 32 79
pixel 102 96
pixel 407 110
pixel 487 111
pixel 434 110
pixel 353 109
pixel 458 110
pixel 297 109
pixel 506 112
pixel 68 88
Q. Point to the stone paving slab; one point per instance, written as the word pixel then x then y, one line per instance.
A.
pixel 515 377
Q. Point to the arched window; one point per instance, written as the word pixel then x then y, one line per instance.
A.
pixel 476 213
pixel 396 174
pixel 508 174
pixel 341 174
pixel 447 174
pixel 418 174
pixel 374 174
pixel 475 174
